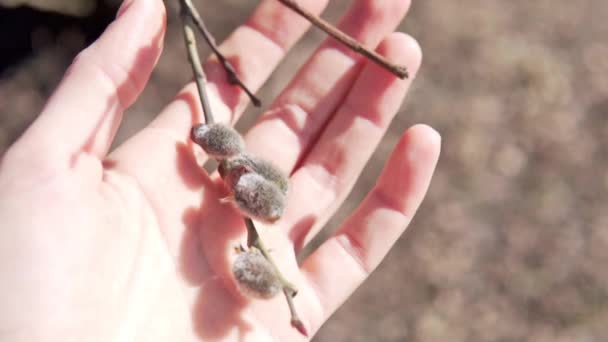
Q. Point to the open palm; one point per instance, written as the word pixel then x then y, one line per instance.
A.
pixel 135 246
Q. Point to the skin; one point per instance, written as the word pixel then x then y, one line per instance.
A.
pixel 134 245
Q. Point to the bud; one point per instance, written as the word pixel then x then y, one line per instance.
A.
pixel 232 168
pixel 257 198
pixel 255 275
pixel 218 140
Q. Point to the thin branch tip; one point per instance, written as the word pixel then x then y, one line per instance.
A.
pixel 299 326
pixel 295 319
pixel 398 70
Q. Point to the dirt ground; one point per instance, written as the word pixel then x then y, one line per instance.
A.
pixel 511 243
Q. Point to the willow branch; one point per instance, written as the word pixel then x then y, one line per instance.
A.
pixel 195 62
pixel 230 72
pixel 188 13
pixel 254 240
pixel 399 70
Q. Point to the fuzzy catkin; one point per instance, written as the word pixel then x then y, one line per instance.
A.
pixel 258 198
pixel 218 140
pixel 254 164
pixel 255 275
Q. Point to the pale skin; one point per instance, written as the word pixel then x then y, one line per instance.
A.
pixel 134 244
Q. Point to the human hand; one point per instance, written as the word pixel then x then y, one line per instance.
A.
pixel 135 245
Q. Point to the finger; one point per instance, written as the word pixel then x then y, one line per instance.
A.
pixel 334 163
pixel 287 131
pixel 86 109
pixel 365 238
pixel 254 49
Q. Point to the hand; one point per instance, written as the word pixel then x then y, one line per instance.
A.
pixel 134 245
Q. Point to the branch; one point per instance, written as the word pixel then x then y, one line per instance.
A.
pixel 254 240
pixel 195 61
pixel 231 73
pixel 399 70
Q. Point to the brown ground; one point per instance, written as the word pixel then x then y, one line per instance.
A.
pixel 512 242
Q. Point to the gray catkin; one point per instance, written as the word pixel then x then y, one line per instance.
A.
pixel 218 140
pixel 258 165
pixel 258 198
pixel 255 276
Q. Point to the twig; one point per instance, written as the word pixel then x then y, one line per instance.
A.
pixel 195 61
pixel 399 70
pixel 295 319
pixel 254 240
pixel 230 72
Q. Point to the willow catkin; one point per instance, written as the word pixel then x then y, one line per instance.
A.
pixel 258 198
pixel 218 140
pixel 253 164
pixel 255 276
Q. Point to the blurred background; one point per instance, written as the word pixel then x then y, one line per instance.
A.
pixel 511 243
